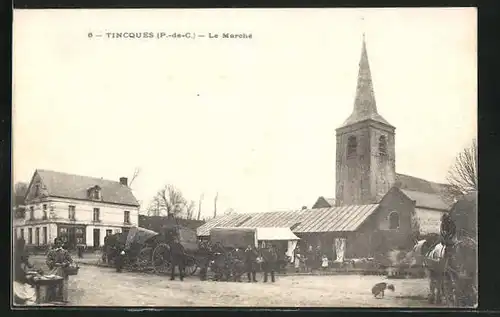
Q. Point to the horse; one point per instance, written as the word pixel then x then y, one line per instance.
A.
pixel 451 272
pixel 112 246
pixel 219 265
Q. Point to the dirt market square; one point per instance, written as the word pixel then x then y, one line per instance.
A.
pixel 101 286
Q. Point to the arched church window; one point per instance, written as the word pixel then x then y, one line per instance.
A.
pixel 394 220
pixel 352 145
pixel 382 146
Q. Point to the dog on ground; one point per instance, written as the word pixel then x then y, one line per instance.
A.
pixel 379 289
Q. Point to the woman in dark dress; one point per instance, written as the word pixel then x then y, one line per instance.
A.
pixel 58 259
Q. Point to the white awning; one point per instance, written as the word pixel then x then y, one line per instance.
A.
pixel 274 234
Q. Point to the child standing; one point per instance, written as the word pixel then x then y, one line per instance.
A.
pixel 324 262
pixel 297 261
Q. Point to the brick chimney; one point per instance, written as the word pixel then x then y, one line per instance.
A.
pixel 124 181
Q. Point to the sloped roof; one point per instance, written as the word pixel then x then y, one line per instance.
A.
pixel 232 220
pixel 426 200
pixel 72 186
pixel 331 201
pixel 365 106
pixel 336 219
pixel 321 202
pixel 274 219
pixel 408 182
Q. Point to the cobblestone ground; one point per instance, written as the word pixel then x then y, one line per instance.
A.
pixel 97 286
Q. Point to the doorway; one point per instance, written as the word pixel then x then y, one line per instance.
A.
pixel 97 238
pixel 71 238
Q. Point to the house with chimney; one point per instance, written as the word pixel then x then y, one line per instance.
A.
pixel 374 209
pixel 79 209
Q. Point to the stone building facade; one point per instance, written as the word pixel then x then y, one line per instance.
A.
pixel 79 209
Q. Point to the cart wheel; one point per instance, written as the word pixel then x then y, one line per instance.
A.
pixel 161 259
pixel 144 258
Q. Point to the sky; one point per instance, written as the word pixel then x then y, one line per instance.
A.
pixel 252 119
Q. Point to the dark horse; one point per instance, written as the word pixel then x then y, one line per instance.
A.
pixel 113 245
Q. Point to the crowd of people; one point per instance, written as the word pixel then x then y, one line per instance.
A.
pixel 310 259
pixel 233 263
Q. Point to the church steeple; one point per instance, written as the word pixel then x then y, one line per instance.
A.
pixel 365 106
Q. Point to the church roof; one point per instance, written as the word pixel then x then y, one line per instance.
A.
pixel 408 182
pixel 323 202
pixel 365 106
pixel 426 194
pixel 63 185
pixel 426 200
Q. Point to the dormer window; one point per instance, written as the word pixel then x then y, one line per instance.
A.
pixel 94 193
pixel 352 145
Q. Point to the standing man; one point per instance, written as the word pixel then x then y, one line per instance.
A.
pixel 448 234
pixel 269 265
pixel 177 258
pixel 205 256
pixel 251 263
pixel 448 230
pixel 318 255
pixel 120 260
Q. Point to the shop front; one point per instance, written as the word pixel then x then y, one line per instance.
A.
pixel 72 235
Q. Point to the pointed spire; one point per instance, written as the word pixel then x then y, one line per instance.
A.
pixel 365 106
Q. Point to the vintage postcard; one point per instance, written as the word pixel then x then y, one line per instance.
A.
pixel 245 157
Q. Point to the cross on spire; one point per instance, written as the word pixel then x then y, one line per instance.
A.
pixel 363 27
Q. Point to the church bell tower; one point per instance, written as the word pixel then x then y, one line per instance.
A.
pixel 365 162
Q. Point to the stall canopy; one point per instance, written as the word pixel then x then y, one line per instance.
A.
pixel 275 234
pixel 138 235
pixel 243 236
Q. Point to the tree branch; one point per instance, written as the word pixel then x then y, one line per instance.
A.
pixel 462 176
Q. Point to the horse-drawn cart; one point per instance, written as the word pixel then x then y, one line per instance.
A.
pixel 138 244
pixel 162 257
pixel 147 250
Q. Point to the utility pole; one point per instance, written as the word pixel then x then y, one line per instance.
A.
pixel 215 204
pixel 199 206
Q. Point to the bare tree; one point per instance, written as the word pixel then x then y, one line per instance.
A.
pixel 154 208
pixel 19 192
pixel 169 200
pixel 215 204
pixel 190 207
pixel 199 205
pixel 137 171
pixel 462 176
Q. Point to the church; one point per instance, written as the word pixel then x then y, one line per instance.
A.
pixel 375 208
